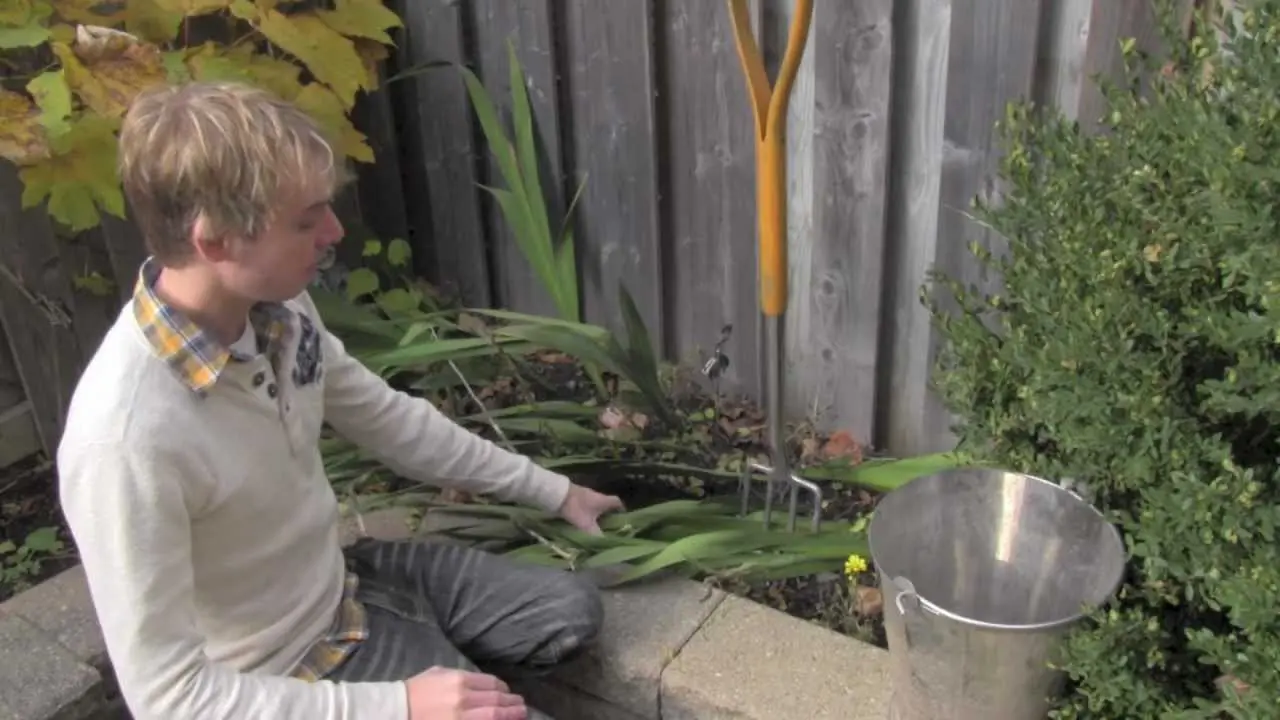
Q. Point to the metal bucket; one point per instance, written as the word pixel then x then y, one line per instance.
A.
pixel 982 572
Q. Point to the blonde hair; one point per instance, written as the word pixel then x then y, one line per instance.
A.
pixel 221 151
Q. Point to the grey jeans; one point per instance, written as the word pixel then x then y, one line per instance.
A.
pixel 438 604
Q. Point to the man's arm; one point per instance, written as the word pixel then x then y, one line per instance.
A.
pixel 415 439
pixel 130 521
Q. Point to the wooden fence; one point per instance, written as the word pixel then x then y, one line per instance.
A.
pixel 890 136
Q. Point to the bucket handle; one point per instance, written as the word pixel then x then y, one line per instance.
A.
pixel 907 593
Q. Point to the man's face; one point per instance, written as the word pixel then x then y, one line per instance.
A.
pixel 280 263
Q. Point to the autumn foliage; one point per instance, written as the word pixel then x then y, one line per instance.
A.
pixel 69 69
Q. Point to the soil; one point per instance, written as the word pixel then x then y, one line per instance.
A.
pixel 28 502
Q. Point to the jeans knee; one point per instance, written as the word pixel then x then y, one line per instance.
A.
pixel 587 607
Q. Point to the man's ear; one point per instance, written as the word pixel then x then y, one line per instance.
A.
pixel 209 245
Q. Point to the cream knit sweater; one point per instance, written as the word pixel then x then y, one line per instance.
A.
pixel 209 532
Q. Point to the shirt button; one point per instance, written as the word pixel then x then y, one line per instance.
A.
pixel 259 378
pixel 271 390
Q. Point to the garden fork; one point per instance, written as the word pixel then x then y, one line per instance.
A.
pixel 769 109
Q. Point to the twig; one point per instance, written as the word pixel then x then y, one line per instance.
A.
pixel 484 411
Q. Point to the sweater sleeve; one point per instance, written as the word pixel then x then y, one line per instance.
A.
pixel 127 509
pixel 416 440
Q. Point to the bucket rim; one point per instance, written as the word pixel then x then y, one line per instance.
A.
pixel 887 578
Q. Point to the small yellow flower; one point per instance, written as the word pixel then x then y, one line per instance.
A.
pixel 855 565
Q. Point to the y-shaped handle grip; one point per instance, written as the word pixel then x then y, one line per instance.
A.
pixel 769 105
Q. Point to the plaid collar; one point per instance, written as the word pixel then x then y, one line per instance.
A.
pixel 194 355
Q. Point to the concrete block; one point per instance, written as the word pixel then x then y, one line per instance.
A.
pixel 751 662
pixel 62 608
pixel 40 679
pixel 644 628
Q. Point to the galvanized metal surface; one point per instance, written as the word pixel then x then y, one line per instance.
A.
pixel 983 571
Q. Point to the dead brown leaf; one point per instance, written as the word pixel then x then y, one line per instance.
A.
pixel 455 497
pixel 612 418
pixel 810 451
pixel 1240 686
pixel 472 324
pixel 840 445
pixel 869 601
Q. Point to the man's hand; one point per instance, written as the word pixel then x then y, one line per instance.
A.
pixel 583 507
pixel 444 694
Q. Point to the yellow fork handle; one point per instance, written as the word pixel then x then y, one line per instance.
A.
pixel 769 107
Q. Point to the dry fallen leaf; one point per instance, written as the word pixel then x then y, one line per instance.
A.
pixel 1240 686
pixel 809 451
pixel 841 445
pixel 612 418
pixel 452 496
pixel 870 602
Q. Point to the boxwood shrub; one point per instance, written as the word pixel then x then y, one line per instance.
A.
pixel 1134 348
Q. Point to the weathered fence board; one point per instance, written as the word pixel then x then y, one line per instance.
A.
pixel 608 50
pixel 439 147
pixel 528 25
pixel 18 436
pixel 35 304
pixel 838 209
pixel 890 137
pixel 710 189
pixel 919 111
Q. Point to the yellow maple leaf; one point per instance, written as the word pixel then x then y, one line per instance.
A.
pixel 362 18
pixel 193 7
pixel 321 103
pixel 371 53
pixel 330 57
pixel 243 64
pixel 90 12
pixel 21 139
pixel 150 20
pixel 18 12
pixel 79 178
pixel 107 71
pixel 53 98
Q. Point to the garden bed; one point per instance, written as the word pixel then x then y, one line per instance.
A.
pixel 34 541
pixel 660 443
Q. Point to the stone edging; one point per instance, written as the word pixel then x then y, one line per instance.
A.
pixel 670 650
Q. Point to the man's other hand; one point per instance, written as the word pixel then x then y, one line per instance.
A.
pixel 444 694
pixel 583 507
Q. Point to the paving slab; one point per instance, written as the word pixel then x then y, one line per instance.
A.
pixel 751 662
pixel 39 678
pixel 645 626
pixel 62 607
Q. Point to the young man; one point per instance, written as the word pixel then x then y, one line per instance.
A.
pixel 191 477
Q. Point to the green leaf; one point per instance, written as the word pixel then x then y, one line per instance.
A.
pixel 23 37
pixel 53 97
pixel 624 554
pixel 361 282
pixel 430 352
pixel 884 474
pixel 561 429
pixel 593 331
pixel 372 248
pixel 527 155
pixel 43 540
pixel 399 253
pixel 567 340
pixel 489 123
pixel 398 301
